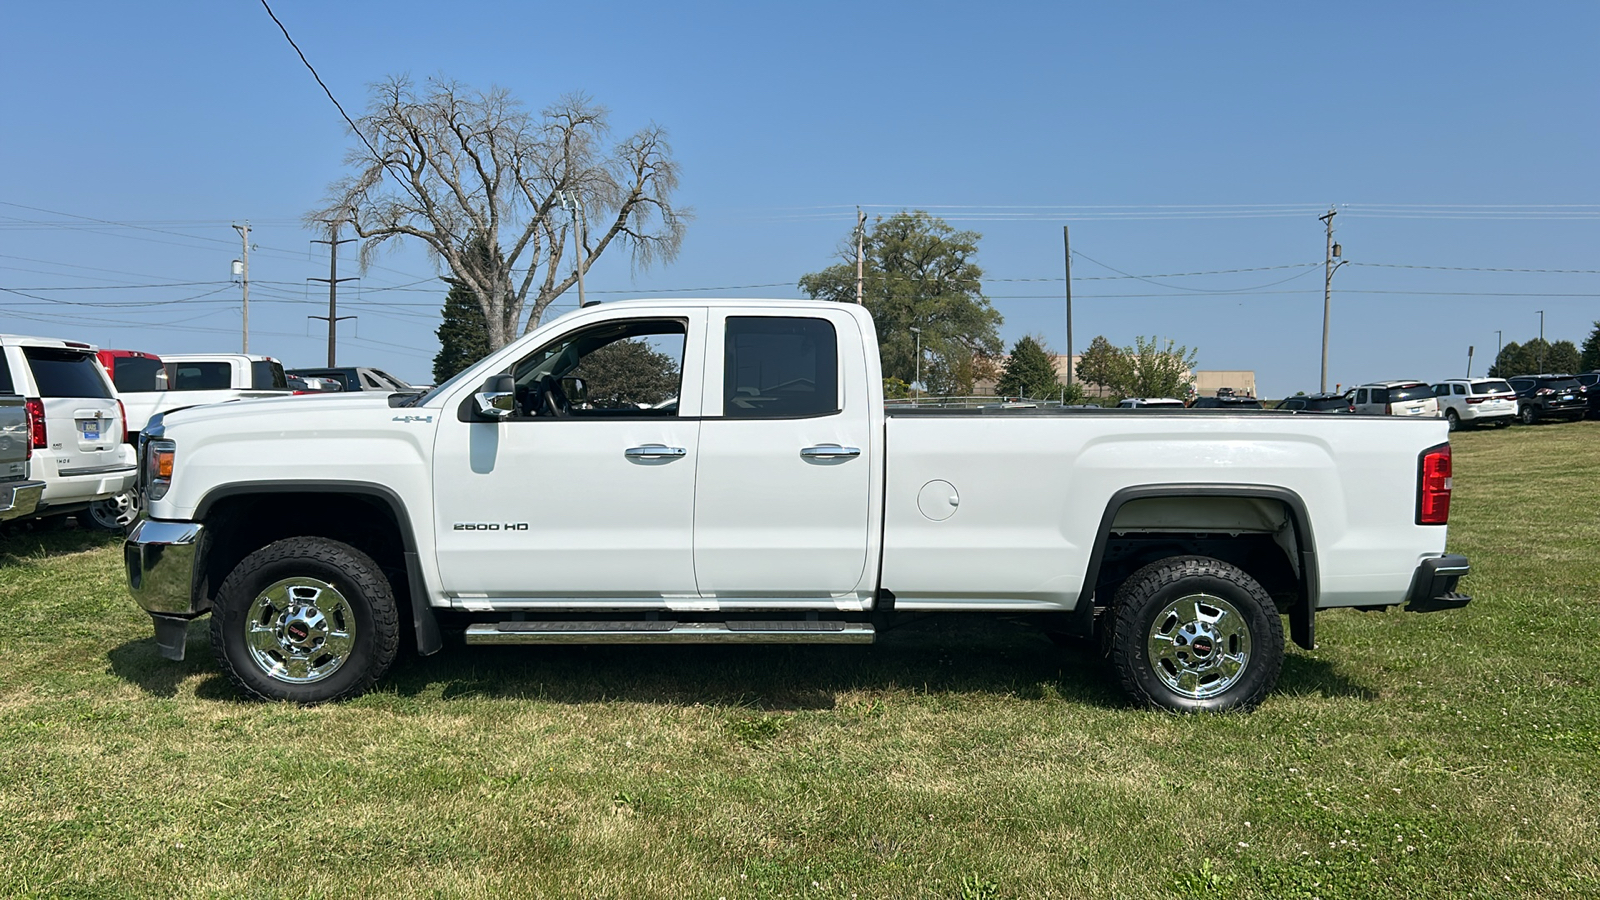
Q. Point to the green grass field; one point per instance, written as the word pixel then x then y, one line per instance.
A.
pixel 1447 755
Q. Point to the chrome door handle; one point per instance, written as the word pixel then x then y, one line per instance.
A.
pixel 654 451
pixel 830 451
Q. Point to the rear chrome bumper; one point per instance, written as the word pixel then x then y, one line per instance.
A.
pixel 1433 587
pixel 19 498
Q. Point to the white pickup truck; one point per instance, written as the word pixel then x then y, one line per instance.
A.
pixel 725 471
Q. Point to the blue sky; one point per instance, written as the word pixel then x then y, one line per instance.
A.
pixel 1172 137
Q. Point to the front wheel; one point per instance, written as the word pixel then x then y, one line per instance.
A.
pixel 305 619
pixel 1528 414
pixel 1195 634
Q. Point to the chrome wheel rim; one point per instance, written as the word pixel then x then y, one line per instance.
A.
pixel 1199 646
pixel 300 630
pixel 114 512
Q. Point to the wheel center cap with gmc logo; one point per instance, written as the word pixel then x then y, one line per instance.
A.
pixel 1202 646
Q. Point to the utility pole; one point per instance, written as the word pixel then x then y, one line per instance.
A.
pixel 574 207
pixel 1469 360
pixel 1328 268
pixel 1066 247
pixel 918 332
pixel 1498 343
pixel 244 275
pixel 861 240
pixel 1541 342
pixel 333 318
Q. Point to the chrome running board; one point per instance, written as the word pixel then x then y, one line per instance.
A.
pixel 664 632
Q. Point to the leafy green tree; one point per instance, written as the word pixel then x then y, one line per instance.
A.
pixel 1509 362
pixel 629 372
pixel 1159 370
pixel 919 273
pixel 1590 360
pixel 1105 366
pixel 1029 372
pixel 1564 357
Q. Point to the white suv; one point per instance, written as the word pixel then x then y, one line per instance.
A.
pixel 75 422
pixel 1469 401
pixel 1394 398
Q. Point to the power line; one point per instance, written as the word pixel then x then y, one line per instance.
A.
pixel 1479 269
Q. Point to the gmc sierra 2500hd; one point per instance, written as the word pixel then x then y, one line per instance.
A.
pixel 725 471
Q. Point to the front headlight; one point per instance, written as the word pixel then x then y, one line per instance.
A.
pixel 158 462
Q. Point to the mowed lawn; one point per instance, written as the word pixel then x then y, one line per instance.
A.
pixel 1447 755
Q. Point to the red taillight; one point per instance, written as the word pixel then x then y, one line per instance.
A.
pixel 1473 400
pixel 36 432
pixel 1542 391
pixel 123 412
pixel 1433 487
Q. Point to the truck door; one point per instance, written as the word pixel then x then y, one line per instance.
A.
pixel 587 490
pixel 787 455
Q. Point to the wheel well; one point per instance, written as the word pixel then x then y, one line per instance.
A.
pixel 1259 555
pixel 1260 529
pixel 239 525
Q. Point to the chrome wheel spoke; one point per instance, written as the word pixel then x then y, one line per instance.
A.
pixel 262 638
pixel 338 644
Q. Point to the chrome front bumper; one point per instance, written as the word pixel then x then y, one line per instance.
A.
pixel 19 498
pixel 164 561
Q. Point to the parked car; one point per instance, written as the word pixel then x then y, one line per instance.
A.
pixel 19 494
pixel 1476 401
pixel 77 427
pixel 1394 398
pixel 1138 402
pixel 1227 401
pixel 1591 383
pixel 357 378
pixel 777 500
pixel 1315 403
pixel 1549 397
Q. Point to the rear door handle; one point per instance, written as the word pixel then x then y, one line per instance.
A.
pixel 830 451
pixel 655 451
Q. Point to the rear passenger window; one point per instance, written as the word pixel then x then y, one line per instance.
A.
pixel 66 373
pixel 267 375
pixel 1461 389
pixel 779 368
pixel 199 376
pixel 7 386
pixel 138 375
pixel 1379 395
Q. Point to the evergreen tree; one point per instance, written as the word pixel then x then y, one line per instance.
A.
pixel 1590 360
pixel 1029 372
pixel 463 335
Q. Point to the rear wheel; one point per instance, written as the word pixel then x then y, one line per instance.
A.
pixel 1451 417
pixel 114 514
pixel 307 620
pixel 1195 634
pixel 1504 422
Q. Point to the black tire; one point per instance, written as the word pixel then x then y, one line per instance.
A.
pixel 1453 419
pixel 1222 655
pixel 322 617
pixel 1527 415
pixel 1503 423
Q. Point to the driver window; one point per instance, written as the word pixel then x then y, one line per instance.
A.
pixel 628 368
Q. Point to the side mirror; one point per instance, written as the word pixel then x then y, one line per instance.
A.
pixel 498 399
pixel 576 389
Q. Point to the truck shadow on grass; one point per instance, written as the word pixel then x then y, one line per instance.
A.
pixel 931 658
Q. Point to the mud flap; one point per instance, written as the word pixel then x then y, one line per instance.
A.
pixel 172 636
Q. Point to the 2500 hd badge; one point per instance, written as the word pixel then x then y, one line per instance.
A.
pixel 490 526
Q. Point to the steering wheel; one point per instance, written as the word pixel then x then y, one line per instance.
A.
pixel 552 399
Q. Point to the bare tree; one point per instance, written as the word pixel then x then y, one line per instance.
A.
pixel 450 165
